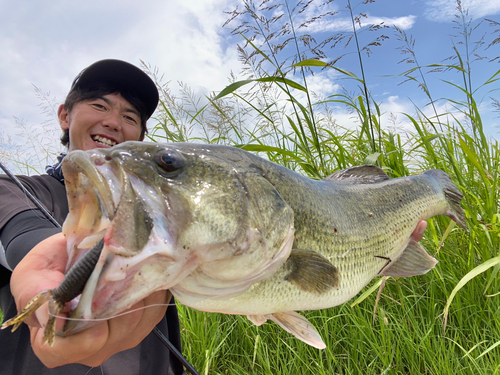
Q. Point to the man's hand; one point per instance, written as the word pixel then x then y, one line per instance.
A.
pixel 43 268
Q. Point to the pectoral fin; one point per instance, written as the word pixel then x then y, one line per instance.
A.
pixel 413 261
pixel 311 271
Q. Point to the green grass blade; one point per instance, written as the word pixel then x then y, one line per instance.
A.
pixel 236 85
pixel 468 277
pixel 368 292
pixel 312 62
pixel 488 350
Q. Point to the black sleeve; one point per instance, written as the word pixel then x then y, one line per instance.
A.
pixel 23 232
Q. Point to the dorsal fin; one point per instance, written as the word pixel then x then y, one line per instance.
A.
pixel 362 174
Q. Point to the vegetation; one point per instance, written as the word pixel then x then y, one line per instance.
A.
pixel 445 322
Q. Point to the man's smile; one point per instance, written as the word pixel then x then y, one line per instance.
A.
pixel 104 140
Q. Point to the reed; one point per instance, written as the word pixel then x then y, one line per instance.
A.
pixel 445 322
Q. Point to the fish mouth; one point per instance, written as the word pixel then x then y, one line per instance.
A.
pixel 92 205
pixel 106 201
pixel 93 201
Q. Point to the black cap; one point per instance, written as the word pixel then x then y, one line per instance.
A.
pixel 123 76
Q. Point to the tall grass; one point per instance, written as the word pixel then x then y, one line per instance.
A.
pixel 36 145
pixel 445 322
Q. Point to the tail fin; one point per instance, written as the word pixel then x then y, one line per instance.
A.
pixel 452 195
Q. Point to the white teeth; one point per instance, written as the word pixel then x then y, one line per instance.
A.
pixel 104 141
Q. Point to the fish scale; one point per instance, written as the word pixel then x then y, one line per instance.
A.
pixel 230 232
pixel 353 226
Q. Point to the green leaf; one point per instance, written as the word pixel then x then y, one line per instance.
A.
pixel 367 293
pixel 313 62
pixel 372 158
pixel 264 148
pixel 236 85
pixel 233 87
pixel 286 81
pixel 470 275
pixel 447 233
pixel 489 349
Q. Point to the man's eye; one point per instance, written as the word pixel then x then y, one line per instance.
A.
pixel 99 106
pixel 131 119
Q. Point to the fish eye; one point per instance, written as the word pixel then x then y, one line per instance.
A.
pixel 169 161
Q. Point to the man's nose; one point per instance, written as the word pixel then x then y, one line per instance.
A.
pixel 112 121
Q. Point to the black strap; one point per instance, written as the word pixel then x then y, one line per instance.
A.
pixel 56 170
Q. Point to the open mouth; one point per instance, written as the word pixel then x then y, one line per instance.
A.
pixel 93 200
pixel 138 256
pixel 92 204
pixel 103 140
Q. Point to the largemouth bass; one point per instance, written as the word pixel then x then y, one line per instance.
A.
pixel 227 231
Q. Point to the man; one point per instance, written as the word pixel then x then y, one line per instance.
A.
pixel 108 103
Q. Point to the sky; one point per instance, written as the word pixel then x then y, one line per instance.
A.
pixel 45 44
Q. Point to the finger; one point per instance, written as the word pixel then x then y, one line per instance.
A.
pixel 76 348
pixel 41 269
pixel 419 230
pixel 127 331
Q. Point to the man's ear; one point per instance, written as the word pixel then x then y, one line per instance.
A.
pixel 63 116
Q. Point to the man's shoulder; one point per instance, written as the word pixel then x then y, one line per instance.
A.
pixel 41 177
pixel 36 179
pixel 32 183
pixel 48 191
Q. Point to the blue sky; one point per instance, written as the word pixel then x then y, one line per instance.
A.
pixel 45 44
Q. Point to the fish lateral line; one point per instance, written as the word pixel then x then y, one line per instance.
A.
pixel 233 174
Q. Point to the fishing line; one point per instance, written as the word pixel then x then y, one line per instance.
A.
pixel 47 214
pixel 112 316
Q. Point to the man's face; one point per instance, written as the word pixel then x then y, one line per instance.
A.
pixel 100 123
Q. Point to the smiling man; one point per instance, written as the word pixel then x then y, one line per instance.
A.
pixel 108 103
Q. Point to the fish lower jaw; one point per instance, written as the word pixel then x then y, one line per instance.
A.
pixel 119 283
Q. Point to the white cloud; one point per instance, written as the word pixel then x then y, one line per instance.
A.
pixel 345 24
pixel 339 21
pixel 322 84
pixel 47 44
pixel 404 22
pixel 444 10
